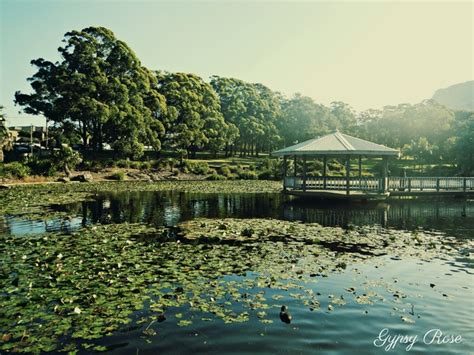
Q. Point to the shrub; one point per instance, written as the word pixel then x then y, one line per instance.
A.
pixel 248 175
pixel 215 176
pixel 270 169
pixel 201 168
pixel 135 164
pixel 110 163
pixel 175 172
pixel 66 159
pixel 119 175
pixel 123 163
pixel 225 171
pixel 146 165
pixel 15 170
pixel 265 175
pixel 198 168
pixel 44 167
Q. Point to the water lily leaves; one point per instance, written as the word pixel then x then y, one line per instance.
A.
pixel 184 323
pixel 95 281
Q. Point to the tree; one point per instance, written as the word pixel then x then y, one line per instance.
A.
pixel 464 141
pixel 5 136
pixel 195 119
pixel 65 159
pixel 303 119
pixel 101 88
pixel 344 116
pixel 254 109
pixel 397 126
pixel 421 149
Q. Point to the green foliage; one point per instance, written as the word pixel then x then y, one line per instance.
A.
pixel 270 169
pixel 119 175
pixel 101 87
pixel 463 144
pixel 195 119
pixel 215 176
pixel 247 175
pixel 123 163
pixel 5 135
pixel 44 167
pixel 303 119
pixel 65 158
pixel 199 168
pixel 253 110
pixel 224 170
pixel 146 165
pixel 397 126
pixel 14 170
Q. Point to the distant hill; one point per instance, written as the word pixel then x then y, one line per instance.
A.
pixel 457 96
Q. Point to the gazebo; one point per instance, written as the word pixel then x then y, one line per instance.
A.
pixel 336 145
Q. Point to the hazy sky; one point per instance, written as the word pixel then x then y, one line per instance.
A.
pixel 368 54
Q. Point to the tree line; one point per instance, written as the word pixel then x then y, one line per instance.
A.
pixel 100 93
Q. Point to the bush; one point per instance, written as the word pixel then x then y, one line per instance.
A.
pixel 175 172
pixel 215 176
pixel 110 163
pixel 146 165
pixel 270 169
pixel 119 175
pixel 65 159
pixel 248 175
pixel 15 170
pixel 265 175
pixel 225 171
pixel 135 164
pixel 44 167
pixel 123 163
pixel 198 168
pixel 92 165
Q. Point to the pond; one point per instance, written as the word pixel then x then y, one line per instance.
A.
pixel 177 272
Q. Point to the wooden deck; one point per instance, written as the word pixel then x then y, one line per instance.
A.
pixel 377 188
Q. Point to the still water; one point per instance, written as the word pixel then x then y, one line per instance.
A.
pixel 452 216
pixel 351 328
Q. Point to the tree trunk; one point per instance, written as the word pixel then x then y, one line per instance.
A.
pixel 66 170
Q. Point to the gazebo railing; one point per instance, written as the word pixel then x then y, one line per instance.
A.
pixel 376 184
pixel 333 183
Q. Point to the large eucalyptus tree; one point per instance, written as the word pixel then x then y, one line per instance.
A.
pixel 101 88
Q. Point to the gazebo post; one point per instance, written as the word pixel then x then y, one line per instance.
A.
pixel 284 173
pixel 325 166
pixel 304 173
pixel 360 171
pixel 294 167
pixel 384 174
pixel 348 174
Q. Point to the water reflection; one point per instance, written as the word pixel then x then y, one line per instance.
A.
pixel 453 216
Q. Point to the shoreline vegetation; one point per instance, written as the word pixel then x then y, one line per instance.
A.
pixel 110 113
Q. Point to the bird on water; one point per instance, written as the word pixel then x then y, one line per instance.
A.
pixel 285 316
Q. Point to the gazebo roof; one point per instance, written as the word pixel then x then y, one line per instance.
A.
pixel 337 143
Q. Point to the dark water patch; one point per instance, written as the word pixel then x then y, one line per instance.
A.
pixel 452 216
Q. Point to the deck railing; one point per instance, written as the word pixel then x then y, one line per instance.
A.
pixel 430 183
pixel 333 183
pixel 377 184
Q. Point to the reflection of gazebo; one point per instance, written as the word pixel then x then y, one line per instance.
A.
pixel 336 145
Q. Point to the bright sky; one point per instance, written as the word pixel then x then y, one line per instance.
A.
pixel 368 54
